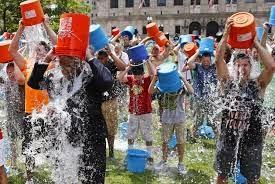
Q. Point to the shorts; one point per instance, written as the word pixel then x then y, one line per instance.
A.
pixel 169 129
pixel 249 156
pixel 2 155
pixel 109 111
pixel 143 123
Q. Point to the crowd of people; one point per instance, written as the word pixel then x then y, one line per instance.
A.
pixel 232 80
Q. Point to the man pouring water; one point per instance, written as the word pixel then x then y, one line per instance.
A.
pixel 241 128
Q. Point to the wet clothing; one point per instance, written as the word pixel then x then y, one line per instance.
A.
pixel 88 128
pixel 140 99
pixel 241 130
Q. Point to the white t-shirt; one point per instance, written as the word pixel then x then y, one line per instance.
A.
pixel 124 57
pixel 181 62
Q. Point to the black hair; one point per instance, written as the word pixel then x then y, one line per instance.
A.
pixel 206 54
pixel 102 53
pixel 137 70
pixel 10 65
pixel 273 51
pixel 45 45
pixel 241 56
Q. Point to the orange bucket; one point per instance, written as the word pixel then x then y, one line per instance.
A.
pixel 73 35
pixel 5 56
pixel 190 49
pixel 32 12
pixel 152 29
pixel 161 39
pixel 115 31
pixel 243 31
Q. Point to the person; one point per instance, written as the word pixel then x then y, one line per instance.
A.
pixel 241 127
pixel 15 96
pixel 34 99
pixel 110 104
pixel 88 127
pixel 140 107
pixel 120 54
pixel 172 119
pixel 3 175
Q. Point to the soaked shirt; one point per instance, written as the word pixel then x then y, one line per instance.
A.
pixel 242 113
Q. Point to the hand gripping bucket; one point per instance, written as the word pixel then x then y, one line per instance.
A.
pixel 161 39
pixel 73 35
pixel 138 54
pixel 152 29
pixel 259 31
pixel 190 49
pixel 128 31
pixel 98 38
pixel 5 56
pixel 115 31
pixel 136 160
pixel 6 35
pixel 243 31
pixel 32 12
pixel 168 78
pixel 272 16
pixel 207 46
pixel 185 39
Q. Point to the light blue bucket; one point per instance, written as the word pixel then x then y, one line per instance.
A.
pixel 272 16
pixel 1 38
pixel 184 39
pixel 123 127
pixel 128 31
pixel 172 142
pixel 206 131
pixel 207 46
pixel 98 38
pixel 259 31
pixel 136 160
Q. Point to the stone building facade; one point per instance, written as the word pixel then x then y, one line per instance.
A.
pixel 176 16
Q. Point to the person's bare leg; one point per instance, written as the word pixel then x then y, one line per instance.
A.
pixel 149 150
pixel 111 141
pixel 222 180
pixel 165 151
pixel 3 176
pixel 180 152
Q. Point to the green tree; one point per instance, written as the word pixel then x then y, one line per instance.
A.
pixel 10 11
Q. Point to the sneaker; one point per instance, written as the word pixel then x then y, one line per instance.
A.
pixel 181 169
pixel 161 166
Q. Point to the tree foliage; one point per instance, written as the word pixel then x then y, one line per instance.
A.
pixel 10 11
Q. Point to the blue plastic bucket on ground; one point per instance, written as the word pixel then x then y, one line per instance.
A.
pixel 136 160
pixel 128 31
pixel 272 16
pixel 123 127
pixel 172 142
pixel 207 46
pixel 138 54
pixel 259 31
pixel 98 38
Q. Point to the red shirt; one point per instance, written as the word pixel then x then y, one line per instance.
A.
pixel 140 99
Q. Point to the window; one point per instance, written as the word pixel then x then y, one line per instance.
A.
pixel 129 3
pixel 146 3
pixel 178 2
pixel 214 2
pixel 230 1
pixel 195 2
pixel 250 1
pixel 177 29
pixel 114 3
pixel 161 28
pixel 269 1
pixel 144 30
pixel 161 2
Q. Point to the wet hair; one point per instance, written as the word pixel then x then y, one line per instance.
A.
pixel 102 53
pixel 241 56
pixel 45 45
pixel 10 65
pixel 206 54
pixel 273 51
pixel 137 70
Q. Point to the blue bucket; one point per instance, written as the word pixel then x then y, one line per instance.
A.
pixel 1 38
pixel 168 78
pixel 129 31
pixel 259 32
pixel 207 46
pixel 98 38
pixel 138 54
pixel 136 160
pixel 123 127
pixel 272 16
pixel 206 131
pixel 172 142
pixel 184 39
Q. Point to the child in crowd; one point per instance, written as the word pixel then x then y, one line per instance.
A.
pixel 140 107
pixel 173 115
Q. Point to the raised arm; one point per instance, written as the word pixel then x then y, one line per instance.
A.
pixel 191 61
pixel 118 62
pixel 50 32
pixel 14 48
pixel 222 70
pixel 19 76
pixel 269 65
pixel 188 86
pixel 145 40
pixel 122 77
